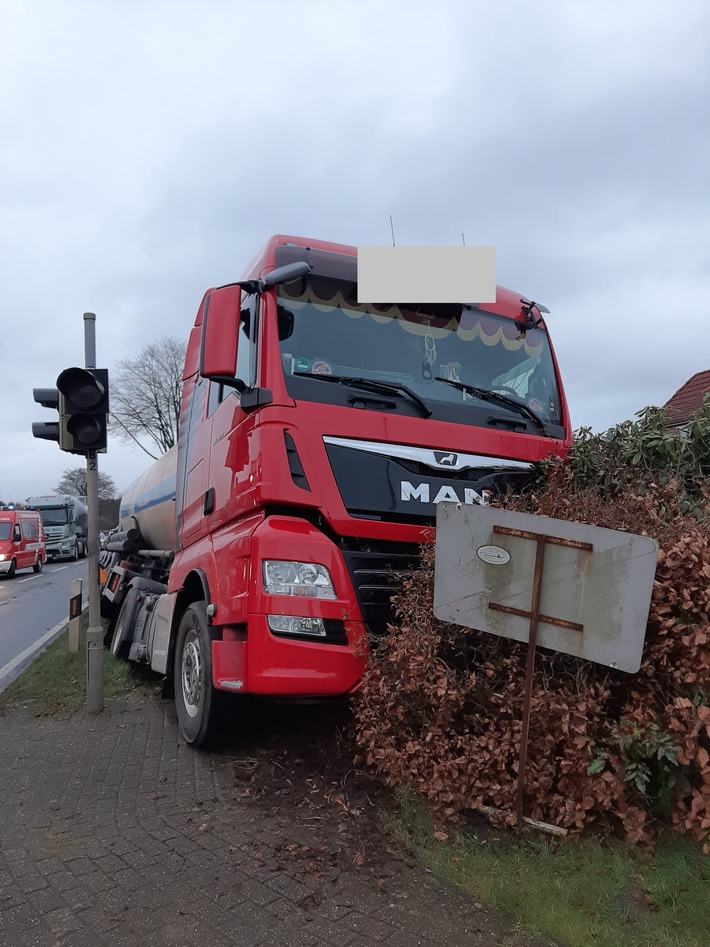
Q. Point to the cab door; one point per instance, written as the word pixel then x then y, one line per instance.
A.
pixel 231 462
pixel 32 547
pixel 195 499
pixel 19 547
pixel 233 473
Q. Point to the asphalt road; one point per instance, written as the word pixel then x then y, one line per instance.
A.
pixel 33 609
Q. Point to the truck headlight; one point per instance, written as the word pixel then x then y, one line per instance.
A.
pixel 305 579
pixel 3 557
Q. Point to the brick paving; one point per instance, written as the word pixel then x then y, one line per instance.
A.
pixel 114 832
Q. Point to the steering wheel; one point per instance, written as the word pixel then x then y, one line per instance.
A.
pixel 505 390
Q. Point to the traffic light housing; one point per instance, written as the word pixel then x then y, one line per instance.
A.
pixel 83 409
pixel 48 398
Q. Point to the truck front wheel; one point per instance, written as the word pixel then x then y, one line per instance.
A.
pixel 196 700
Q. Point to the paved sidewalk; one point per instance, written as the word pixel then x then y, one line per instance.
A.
pixel 113 832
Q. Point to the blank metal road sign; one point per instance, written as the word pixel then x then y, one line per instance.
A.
pixel 594 585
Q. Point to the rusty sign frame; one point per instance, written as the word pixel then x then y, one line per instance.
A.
pixel 541 540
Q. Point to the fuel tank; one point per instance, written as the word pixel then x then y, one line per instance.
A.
pixel 150 502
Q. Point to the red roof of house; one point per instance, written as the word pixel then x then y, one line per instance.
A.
pixel 688 400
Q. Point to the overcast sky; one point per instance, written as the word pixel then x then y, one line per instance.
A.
pixel 148 148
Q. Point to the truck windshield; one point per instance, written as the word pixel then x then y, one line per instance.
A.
pixel 5 531
pixel 419 348
pixel 56 516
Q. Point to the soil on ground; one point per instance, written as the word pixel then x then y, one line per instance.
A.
pixel 300 760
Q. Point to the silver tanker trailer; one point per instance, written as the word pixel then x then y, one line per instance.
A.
pixel 138 556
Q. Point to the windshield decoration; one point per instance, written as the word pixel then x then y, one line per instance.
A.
pixel 467 322
pixel 429 343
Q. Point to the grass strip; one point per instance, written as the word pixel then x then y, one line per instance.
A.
pixel 55 681
pixel 579 891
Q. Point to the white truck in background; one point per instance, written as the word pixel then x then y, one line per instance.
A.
pixel 65 521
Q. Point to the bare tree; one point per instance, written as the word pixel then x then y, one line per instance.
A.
pixel 73 482
pixel 145 395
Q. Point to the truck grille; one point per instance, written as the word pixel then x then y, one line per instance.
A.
pixel 377 571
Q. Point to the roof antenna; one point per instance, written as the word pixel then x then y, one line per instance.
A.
pixel 463 240
pixel 392 229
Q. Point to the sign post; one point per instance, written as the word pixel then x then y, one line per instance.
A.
pixel 75 588
pixel 540 541
pixel 94 635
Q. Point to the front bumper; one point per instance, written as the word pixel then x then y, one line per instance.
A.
pixel 60 551
pixel 254 659
pixel 261 663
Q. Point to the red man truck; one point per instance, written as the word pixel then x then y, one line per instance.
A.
pixel 317 435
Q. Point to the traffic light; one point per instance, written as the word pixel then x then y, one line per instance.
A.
pixel 48 398
pixel 83 409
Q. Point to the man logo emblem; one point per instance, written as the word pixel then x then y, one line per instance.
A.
pixel 445 460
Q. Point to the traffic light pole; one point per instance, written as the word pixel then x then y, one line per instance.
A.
pixel 82 401
pixel 95 635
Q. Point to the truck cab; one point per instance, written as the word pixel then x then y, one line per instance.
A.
pixel 65 521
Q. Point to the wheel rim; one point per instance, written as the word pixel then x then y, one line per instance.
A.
pixel 191 675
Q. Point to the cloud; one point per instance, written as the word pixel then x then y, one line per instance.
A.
pixel 150 148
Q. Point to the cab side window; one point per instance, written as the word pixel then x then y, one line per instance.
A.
pixel 248 329
pixel 216 397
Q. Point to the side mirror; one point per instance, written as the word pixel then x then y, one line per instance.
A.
pixel 220 334
pixel 286 274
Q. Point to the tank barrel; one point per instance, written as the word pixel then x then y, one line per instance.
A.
pixel 148 506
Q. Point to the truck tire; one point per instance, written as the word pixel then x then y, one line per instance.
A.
pixel 196 700
pixel 37 567
pixel 12 570
pixel 106 607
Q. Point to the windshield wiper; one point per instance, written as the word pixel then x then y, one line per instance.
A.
pixel 495 398
pixel 371 384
